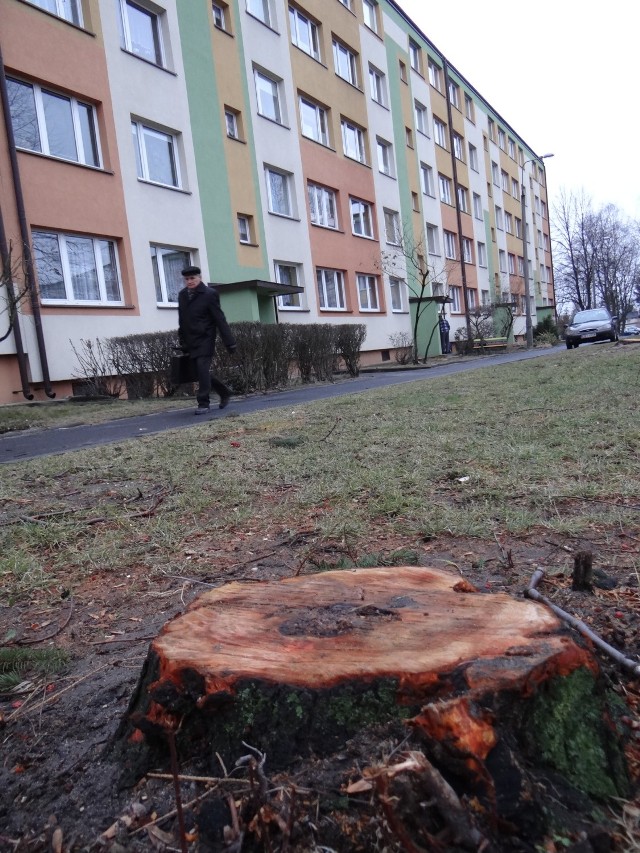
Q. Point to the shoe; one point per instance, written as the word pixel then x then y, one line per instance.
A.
pixel 202 410
pixel 224 401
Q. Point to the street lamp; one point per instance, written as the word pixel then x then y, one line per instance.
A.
pixel 527 292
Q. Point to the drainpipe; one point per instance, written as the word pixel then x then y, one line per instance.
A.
pixel 463 269
pixel 17 334
pixel 24 233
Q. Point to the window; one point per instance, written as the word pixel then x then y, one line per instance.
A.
pixel 53 124
pixel 499 219
pixel 260 10
pixel 353 141
pixel 445 189
pixel 435 75
pixel 368 292
pixel 463 199
pixel 345 63
pixel 440 132
pixel 511 263
pixel 415 202
pixel 370 17
pixel 433 244
pixel 167 265
pixel 518 227
pixel 502 259
pixel 504 178
pixel 76 270
pixel 449 245
pixel 231 119
pixel 477 206
pixel 468 107
pixel 322 206
pixel 458 147
pixel 545 242
pixel 377 86
pixel 396 285
pixel 361 221
pixel 245 228
pixel 288 274
pixel 454 94
pixel 403 71
pixel 485 297
pixel 268 96
pixel 512 149
pixel 330 289
pixel 492 129
pixel 304 33
pixel 392 227
pixel 508 223
pixel 472 298
pixel 70 10
pixel 520 265
pixel 346 3
pixel 426 173
pixel 155 151
pixel 456 299
pixel 502 139
pixel 515 188
pixel 313 121
pixel 141 32
pixel 279 191
pixel 408 135
pixel 220 13
pixel 543 208
pixel 385 156
pixel 421 118
pixel 415 56
pixel 482 254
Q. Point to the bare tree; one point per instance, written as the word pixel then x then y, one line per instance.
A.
pixel 617 273
pixel 574 253
pixel 13 290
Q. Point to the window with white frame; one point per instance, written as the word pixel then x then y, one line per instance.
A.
pixel 477 206
pixel 313 121
pixel 322 205
pixel 454 94
pixel 433 244
pixel 543 209
pixel 353 141
pixel 545 242
pixel 463 199
pixel 473 157
pixel 261 10
pixel 445 189
pixel 520 265
pixel 508 222
pixel 346 63
pixel 361 219
pixel 502 260
pixel 330 289
pixel 415 56
pixel 458 147
pixel 377 85
pixel 485 297
pixel 468 107
pixel 408 134
pixel 245 228
pixel 438 288
pixel 397 288
pixel 402 69
pixel 392 227
pixel 232 123
pixel 74 269
pixel 369 8
pixel 141 31
pixel 70 10
pixel 499 219
pixel 289 274
pixel 385 156
pixel 422 123
pixel 426 175
pixel 440 132
pixel 167 265
pixel 449 245
pixel 435 75
pixel 495 173
pixel 502 139
pixel 511 263
pixel 512 149
pixel 515 188
pixel 279 191
pixel 53 124
pixel 268 95
pixel 304 33
pixel 482 254
pixel 368 292
pixel 518 227
pixel 491 126
pixel 156 155
pixel 220 13
pixel 456 299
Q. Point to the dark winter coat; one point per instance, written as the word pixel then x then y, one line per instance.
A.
pixel 199 319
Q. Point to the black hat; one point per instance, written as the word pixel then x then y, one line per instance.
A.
pixel 190 271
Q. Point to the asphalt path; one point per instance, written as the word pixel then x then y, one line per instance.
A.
pixel 29 444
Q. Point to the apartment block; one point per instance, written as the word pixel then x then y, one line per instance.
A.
pixel 322 161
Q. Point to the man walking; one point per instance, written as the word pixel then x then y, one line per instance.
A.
pixel 200 318
pixel 445 346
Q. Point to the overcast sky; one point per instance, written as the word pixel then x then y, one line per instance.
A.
pixel 563 73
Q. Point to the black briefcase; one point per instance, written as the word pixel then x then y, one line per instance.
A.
pixel 182 369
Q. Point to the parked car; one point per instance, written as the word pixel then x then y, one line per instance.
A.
pixel 631 330
pixel 596 324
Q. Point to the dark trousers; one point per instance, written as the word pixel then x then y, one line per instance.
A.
pixel 202 371
pixel 445 346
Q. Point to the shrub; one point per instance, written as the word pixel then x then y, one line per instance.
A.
pixel 349 339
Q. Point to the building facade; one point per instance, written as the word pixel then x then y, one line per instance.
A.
pixel 321 161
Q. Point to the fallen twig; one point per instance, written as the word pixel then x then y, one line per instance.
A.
pixel 532 592
pixel 23 642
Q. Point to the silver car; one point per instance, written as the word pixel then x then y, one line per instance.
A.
pixel 596 324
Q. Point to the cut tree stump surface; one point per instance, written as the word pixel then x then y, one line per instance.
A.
pixel 415 625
